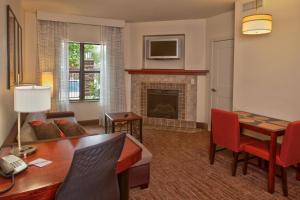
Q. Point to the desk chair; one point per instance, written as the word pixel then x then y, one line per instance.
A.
pixel 92 174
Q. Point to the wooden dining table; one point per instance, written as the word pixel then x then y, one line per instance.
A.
pixel 268 126
pixel 42 183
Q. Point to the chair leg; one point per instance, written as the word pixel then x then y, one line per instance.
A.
pixel 245 167
pixel 212 153
pixel 284 181
pixel 234 164
pixel 212 149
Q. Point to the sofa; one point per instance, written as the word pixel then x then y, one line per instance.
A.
pixel 27 133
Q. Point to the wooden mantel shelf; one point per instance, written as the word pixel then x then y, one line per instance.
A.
pixel 168 71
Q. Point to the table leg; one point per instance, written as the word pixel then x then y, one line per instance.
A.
pixel 272 163
pixel 113 127
pixel 298 172
pixel 123 185
pixel 105 124
pixel 141 130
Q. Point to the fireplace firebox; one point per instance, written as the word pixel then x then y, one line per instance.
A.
pixel 162 103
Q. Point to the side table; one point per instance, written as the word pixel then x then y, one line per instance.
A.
pixel 128 117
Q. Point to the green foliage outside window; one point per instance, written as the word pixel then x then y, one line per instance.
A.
pixel 94 51
pixel 74 54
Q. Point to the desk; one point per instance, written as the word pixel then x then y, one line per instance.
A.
pixel 41 183
pixel 267 126
pixel 128 117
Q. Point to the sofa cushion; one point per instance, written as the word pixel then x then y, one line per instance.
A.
pixel 71 119
pixel 45 131
pixel 70 128
pixel 36 116
pixel 27 132
pixel 146 154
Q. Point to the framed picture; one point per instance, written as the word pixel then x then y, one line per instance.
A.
pixel 14 50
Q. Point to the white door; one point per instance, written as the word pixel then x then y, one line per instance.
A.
pixel 222 75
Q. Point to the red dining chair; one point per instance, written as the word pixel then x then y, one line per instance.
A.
pixel 287 153
pixel 226 133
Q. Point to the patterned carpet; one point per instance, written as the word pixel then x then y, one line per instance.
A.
pixel 180 171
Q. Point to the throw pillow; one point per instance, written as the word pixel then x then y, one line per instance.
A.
pixel 45 131
pixel 70 128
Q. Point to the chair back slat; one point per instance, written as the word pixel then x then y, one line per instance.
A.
pixel 290 153
pixel 226 129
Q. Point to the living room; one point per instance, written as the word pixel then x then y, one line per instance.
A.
pixel 158 71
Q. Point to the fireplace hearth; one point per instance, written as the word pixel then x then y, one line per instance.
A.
pixel 162 103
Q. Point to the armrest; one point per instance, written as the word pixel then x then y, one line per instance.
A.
pixel 60 114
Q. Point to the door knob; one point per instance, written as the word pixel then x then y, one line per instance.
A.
pixel 213 90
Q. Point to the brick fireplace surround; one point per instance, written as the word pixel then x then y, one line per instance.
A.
pixel 186 85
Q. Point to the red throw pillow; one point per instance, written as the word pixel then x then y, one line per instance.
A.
pixel 45 131
pixel 70 128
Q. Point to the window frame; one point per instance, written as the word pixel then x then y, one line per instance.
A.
pixel 82 73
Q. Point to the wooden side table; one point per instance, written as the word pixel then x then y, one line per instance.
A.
pixel 128 117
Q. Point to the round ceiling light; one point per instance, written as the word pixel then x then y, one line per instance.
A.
pixel 257 24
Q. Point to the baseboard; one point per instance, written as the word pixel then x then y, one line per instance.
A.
pixel 202 125
pixel 89 122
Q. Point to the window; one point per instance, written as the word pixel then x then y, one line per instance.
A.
pixel 84 71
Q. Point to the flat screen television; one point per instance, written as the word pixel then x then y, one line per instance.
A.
pixel 163 49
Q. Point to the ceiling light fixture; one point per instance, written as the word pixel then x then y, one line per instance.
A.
pixel 257 24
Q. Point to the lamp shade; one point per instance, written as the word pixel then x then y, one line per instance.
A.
pixel 257 24
pixel 32 98
pixel 47 80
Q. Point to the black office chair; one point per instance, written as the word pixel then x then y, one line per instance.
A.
pixel 92 175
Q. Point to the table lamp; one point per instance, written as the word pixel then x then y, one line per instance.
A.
pixel 47 80
pixel 29 99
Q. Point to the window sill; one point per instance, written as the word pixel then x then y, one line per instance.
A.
pixel 84 101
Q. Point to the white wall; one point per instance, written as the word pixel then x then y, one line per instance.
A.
pixel 195 50
pixel 267 67
pixel 7 114
pixel 219 27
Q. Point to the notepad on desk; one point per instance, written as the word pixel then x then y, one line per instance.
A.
pixel 40 162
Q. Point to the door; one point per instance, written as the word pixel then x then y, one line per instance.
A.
pixel 222 75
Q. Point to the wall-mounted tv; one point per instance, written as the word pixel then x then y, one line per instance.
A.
pixel 163 49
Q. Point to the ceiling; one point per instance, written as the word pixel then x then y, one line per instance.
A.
pixel 134 10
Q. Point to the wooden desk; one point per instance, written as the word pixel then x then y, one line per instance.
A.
pixel 267 126
pixel 41 183
pixel 129 117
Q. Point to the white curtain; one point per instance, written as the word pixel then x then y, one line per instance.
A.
pixel 53 57
pixel 112 80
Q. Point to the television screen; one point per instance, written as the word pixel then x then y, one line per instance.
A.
pixel 163 49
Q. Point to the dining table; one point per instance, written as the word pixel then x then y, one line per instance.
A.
pixel 267 126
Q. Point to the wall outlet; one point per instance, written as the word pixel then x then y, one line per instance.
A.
pixel 192 81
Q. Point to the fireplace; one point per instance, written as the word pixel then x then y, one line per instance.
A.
pixel 162 103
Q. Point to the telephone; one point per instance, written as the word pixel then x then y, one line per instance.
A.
pixel 11 165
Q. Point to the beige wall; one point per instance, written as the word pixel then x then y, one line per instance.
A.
pixel 194 31
pixel 267 67
pixel 7 114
